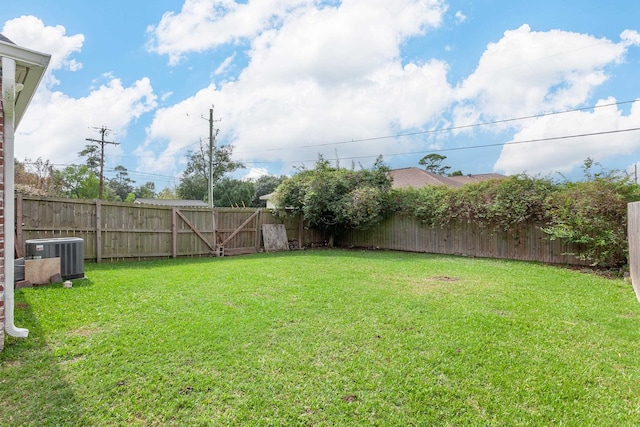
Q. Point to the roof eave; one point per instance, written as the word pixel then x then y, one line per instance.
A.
pixel 35 63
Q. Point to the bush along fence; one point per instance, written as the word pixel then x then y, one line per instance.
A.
pixel 519 218
pixel 119 231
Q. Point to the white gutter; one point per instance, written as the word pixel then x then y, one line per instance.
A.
pixel 8 101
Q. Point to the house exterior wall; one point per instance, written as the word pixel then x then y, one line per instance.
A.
pixel 2 284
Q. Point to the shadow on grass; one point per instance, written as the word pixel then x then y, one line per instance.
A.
pixel 146 264
pixel 33 389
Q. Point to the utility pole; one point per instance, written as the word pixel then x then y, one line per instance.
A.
pixel 212 144
pixel 103 131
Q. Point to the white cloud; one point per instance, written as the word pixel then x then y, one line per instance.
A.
pixel 255 173
pixel 460 17
pixel 565 154
pixel 225 65
pixel 205 24
pixel 630 38
pixel 31 31
pixel 55 125
pixel 527 72
pixel 323 74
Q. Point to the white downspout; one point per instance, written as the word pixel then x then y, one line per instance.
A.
pixel 8 101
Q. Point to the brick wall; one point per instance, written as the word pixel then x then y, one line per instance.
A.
pixel 1 220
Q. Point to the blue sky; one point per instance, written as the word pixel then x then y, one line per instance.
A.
pixel 290 79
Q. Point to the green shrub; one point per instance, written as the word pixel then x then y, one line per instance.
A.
pixel 593 214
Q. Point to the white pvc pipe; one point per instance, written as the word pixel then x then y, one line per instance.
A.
pixel 8 98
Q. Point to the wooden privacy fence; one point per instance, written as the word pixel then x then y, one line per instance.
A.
pixel 633 231
pixel 117 231
pixel 405 233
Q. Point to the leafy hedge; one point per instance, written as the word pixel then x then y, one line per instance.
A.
pixel 335 199
pixel 591 214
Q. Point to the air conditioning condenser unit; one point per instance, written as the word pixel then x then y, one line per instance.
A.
pixel 70 250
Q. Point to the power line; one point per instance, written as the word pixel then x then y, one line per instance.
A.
pixel 553 138
pixel 449 129
pixel 472 147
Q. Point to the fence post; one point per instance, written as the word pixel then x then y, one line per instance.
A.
pixel 174 232
pixel 214 222
pixel 258 230
pixel 98 231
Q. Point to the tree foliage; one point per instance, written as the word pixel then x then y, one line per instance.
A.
pixel 593 214
pixel 233 193
pixel 93 157
pixel 37 177
pixel 433 163
pixel 590 214
pixel 145 191
pixel 121 184
pixel 194 184
pixel 335 199
pixel 264 185
pixel 80 182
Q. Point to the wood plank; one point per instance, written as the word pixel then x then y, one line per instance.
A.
pixel 633 230
pixel 275 237
pixel 195 230
pixel 174 233
pixel 244 224
pixel 40 271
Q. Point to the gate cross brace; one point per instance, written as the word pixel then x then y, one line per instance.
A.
pixel 244 224
pixel 195 230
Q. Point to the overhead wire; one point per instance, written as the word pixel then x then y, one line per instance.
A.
pixel 471 147
pixel 451 128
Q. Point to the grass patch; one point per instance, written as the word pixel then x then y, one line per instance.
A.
pixel 324 338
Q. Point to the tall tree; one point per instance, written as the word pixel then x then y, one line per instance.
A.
pixel 121 183
pixel 194 183
pixel 233 193
pixel 146 191
pixel 80 182
pixel 167 193
pixel 266 184
pixel 433 163
pixel 92 154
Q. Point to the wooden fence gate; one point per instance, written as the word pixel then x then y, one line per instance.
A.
pixel 114 231
pixel 249 226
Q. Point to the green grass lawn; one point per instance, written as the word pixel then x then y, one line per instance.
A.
pixel 325 338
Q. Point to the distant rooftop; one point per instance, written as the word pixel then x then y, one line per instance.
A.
pixel 418 178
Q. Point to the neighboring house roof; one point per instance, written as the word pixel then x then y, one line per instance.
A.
pixel 29 70
pixel 172 202
pixel 417 178
pixel 267 196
